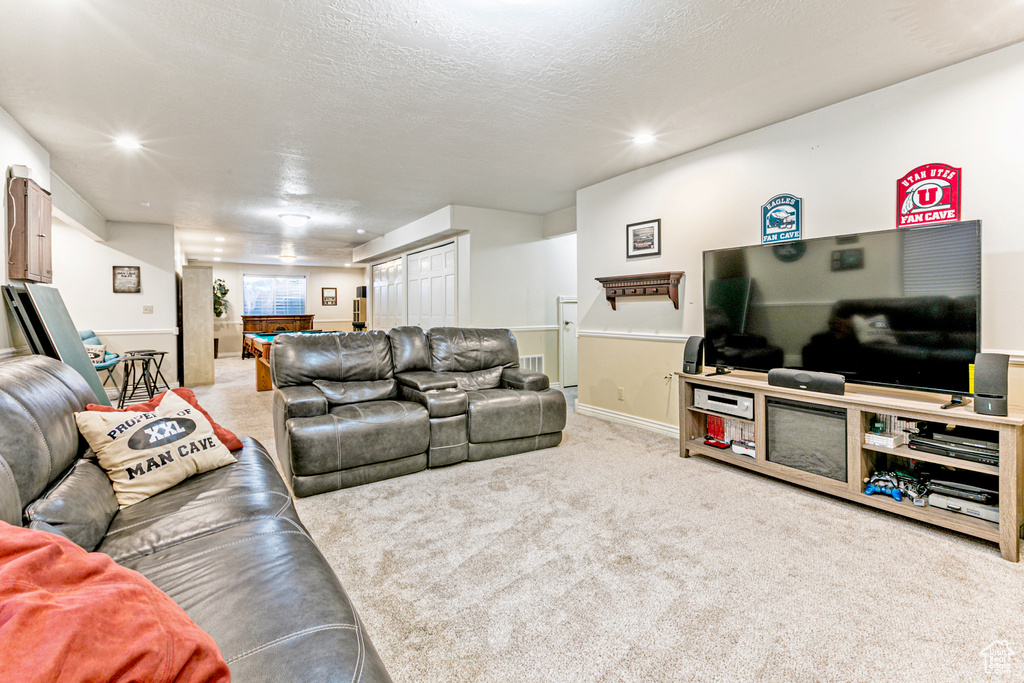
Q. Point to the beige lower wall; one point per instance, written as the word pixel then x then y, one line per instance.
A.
pixel 1016 396
pixel 545 342
pixel 639 366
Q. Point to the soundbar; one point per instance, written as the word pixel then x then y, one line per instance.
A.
pixel 824 382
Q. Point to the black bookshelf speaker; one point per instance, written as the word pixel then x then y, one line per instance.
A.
pixel 991 382
pixel 361 292
pixel 693 355
pixel 824 382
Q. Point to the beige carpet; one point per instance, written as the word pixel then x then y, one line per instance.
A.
pixel 610 558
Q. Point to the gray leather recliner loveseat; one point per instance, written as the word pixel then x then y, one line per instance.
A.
pixel 356 407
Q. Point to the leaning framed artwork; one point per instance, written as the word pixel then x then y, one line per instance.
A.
pixel 127 280
pixel 643 239
pixel 329 296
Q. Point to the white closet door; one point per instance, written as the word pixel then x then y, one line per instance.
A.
pixel 387 295
pixel 432 287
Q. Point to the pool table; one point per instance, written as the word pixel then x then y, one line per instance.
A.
pixel 258 345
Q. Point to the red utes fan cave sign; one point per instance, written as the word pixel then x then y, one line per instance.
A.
pixel 928 194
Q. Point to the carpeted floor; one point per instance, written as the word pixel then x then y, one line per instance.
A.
pixel 610 558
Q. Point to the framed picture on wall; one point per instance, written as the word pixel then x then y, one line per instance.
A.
pixel 127 280
pixel 329 296
pixel 643 239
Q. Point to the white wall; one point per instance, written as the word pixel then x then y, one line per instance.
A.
pixel 82 271
pixel 228 328
pixel 843 161
pixel 17 148
pixel 516 275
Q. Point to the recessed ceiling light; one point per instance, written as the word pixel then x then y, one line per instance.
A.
pixel 127 142
pixel 295 220
pixel 643 138
pixel 218 239
pixel 347 265
pixel 145 204
pixel 360 231
pixel 218 250
pixel 216 258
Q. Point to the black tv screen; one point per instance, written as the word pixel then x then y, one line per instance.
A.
pixel 893 307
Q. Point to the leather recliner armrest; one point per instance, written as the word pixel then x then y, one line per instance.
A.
pixel 303 400
pixel 425 381
pixel 516 378
pixel 438 402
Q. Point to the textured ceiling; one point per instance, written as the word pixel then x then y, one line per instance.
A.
pixel 372 113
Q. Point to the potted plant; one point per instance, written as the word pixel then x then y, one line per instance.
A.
pixel 220 305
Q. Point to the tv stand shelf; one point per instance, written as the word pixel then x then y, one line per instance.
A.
pixel 860 403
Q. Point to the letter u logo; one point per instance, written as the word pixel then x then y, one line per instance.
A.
pixel 927 196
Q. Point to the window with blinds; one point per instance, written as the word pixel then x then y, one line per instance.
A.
pixel 273 294
pixel 943 262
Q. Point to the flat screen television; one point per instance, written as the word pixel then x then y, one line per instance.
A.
pixel 894 307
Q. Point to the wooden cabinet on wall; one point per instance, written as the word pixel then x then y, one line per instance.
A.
pixel 29 215
pixel 277 323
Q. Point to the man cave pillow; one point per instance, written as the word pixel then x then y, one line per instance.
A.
pixel 146 453
pixel 97 352
pixel 873 330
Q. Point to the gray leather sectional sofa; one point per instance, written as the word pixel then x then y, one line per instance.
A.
pixel 226 545
pixel 356 407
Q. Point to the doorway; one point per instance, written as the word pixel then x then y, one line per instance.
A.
pixel 432 287
pixel 387 294
pixel 567 341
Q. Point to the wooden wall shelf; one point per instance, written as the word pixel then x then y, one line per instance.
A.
pixel 647 284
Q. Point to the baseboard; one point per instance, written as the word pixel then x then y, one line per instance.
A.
pixel 632 420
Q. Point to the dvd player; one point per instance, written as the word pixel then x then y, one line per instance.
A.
pixel 959 440
pixel 724 401
pixel 956 489
pixel 951 450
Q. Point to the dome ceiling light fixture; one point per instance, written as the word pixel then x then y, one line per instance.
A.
pixel 294 220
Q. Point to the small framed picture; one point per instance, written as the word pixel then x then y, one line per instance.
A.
pixel 643 239
pixel 127 280
pixel 329 295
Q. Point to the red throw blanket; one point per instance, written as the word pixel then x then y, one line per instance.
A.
pixel 68 615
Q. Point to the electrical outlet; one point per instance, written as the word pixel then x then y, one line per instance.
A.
pixel 621 394
pixel 147 309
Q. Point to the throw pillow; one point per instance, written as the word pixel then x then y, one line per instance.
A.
pixel 79 506
pixel 69 615
pixel 226 437
pixel 97 352
pixel 146 453
pixel 873 330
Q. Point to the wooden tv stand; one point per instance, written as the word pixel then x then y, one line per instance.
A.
pixel 860 404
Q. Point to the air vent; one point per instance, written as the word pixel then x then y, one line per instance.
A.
pixel 532 363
